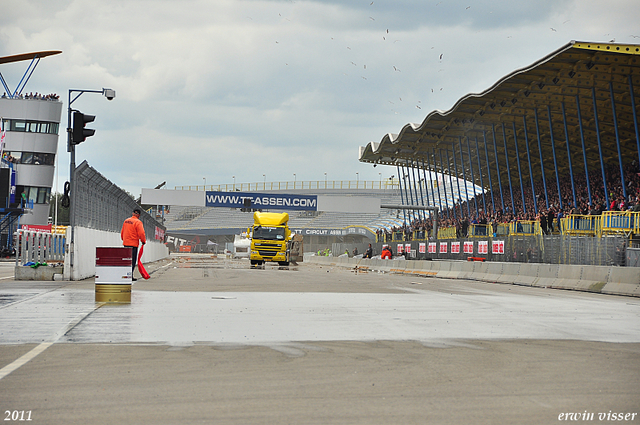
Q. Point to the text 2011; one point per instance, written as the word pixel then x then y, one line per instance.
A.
pixel 17 415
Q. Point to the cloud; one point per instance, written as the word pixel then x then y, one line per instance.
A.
pixel 220 88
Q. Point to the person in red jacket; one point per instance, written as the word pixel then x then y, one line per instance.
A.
pixel 132 234
pixel 386 253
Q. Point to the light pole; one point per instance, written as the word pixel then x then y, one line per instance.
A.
pixel 71 148
pixel 234 183
pixel 357 180
pixel 205 183
pixel 294 180
pixel 325 180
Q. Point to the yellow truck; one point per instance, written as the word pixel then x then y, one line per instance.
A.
pixel 272 240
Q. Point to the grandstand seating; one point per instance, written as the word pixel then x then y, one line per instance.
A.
pixel 199 218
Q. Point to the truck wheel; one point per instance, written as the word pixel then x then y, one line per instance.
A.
pixel 254 262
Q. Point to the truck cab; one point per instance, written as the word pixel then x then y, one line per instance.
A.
pixel 270 238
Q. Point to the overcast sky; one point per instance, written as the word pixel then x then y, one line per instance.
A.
pixel 220 88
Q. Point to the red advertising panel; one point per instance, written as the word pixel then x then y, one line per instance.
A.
pixel 468 247
pixel 497 247
pixel 443 247
pixel 36 228
pixel 400 249
pixel 432 247
pixel 455 247
pixel 483 247
pixel 422 248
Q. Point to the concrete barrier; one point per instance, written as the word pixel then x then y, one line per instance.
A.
pixel 612 280
pixel 494 272
pixel 510 272
pixel 38 273
pixel 623 281
pixel 546 275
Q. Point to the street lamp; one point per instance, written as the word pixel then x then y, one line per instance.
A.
pixel 234 182
pixel 294 180
pixel 205 183
pixel 325 180
pixel 110 94
pixel 357 180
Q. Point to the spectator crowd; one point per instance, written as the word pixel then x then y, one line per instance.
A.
pixel 547 208
pixel 35 96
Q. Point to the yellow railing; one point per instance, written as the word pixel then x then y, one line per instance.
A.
pixel 479 230
pixel 609 223
pixel 619 222
pixel 581 225
pixel 446 233
pixel 525 228
pixel 503 229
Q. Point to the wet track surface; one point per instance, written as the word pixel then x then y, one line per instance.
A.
pixel 32 312
pixel 214 341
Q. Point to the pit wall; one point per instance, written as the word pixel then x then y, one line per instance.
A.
pixel 86 241
pixel 601 279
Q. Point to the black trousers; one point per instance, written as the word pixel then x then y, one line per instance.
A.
pixel 134 257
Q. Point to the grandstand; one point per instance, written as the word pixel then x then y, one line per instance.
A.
pixel 207 218
pixel 198 225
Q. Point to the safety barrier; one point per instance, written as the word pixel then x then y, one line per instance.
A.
pixel 503 229
pixel 479 230
pixel 609 223
pixel 446 233
pixel 523 228
pixel 600 279
pixel 616 222
pixel 581 225
pixel 39 247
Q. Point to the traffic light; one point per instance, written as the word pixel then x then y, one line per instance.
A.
pixel 79 132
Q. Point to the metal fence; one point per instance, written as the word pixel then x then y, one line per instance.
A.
pixel 102 205
pixel 38 247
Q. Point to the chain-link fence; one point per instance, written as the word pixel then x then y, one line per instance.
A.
pixel 101 205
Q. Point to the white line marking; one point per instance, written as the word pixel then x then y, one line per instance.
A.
pixel 24 359
pixel 43 346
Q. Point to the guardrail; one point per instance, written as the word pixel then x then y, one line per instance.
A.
pixel 446 233
pixel 479 230
pixel 298 185
pixel 619 222
pixel 524 228
pixel 39 247
pixel 581 225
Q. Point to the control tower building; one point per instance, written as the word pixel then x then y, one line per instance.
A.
pixel 30 127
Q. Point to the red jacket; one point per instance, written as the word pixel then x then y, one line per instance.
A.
pixel 132 232
pixel 386 254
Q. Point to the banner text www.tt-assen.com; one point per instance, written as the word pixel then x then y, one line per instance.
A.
pixel 261 200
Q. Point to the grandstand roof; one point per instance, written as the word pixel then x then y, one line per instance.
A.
pixel 565 80
pixel 28 56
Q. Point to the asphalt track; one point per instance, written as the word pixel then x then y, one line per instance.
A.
pixel 213 341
